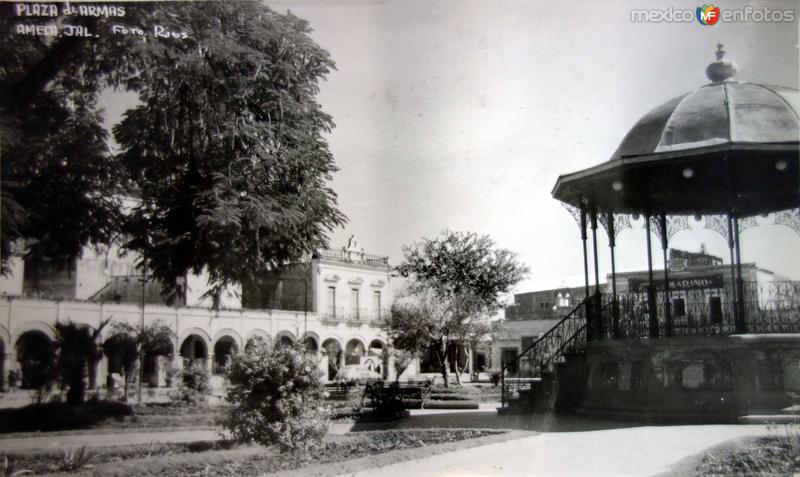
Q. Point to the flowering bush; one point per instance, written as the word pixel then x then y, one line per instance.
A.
pixel 194 386
pixel 277 398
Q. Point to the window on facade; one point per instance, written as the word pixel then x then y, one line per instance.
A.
pixel 354 302
pixel 376 303
pixel 332 301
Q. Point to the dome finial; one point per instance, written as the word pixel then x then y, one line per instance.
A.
pixel 720 52
pixel 721 70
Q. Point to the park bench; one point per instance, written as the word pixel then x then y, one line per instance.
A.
pixel 391 399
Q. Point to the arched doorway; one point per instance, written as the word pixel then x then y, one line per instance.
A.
pixel 122 353
pixel 158 356
pixel 224 349
pixel 36 356
pixel 376 351
pixel 194 350
pixel 354 351
pixel 254 340
pixel 333 350
pixel 285 340
pixel 310 344
pixel 376 348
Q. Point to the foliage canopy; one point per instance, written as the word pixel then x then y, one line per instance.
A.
pixel 224 151
pixel 457 281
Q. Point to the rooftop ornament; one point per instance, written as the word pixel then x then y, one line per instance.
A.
pixel 727 151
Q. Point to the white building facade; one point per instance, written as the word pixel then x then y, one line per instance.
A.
pixel 336 304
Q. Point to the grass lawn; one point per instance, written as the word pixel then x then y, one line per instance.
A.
pixel 769 455
pixel 225 459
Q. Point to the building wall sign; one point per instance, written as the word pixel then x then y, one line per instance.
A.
pixel 677 283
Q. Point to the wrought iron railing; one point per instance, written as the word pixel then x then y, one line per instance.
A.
pixel 528 365
pixel 769 307
pixel 333 314
pixel 360 315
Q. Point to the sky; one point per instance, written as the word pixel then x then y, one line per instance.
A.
pixel 462 114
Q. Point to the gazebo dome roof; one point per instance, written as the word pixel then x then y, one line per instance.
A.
pixel 725 147
pixel 722 112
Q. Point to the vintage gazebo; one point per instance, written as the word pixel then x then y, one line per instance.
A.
pixel 726 152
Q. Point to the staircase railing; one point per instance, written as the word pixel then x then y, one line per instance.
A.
pixel 528 365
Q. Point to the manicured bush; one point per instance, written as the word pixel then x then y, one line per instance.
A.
pixel 495 377
pixel 277 398
pixel 194 386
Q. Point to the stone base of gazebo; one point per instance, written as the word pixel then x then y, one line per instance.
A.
pixel 682 379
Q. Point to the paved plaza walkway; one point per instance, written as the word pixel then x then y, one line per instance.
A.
pixel 645 451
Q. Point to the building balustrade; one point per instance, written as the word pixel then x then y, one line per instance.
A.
pixel 361 315
pixel 350 256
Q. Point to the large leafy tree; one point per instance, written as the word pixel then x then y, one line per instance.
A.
pixel 458 281
pixel 225 151
pixel 58 176
pixel 226 148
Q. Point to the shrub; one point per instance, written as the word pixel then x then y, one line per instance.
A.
pixel 194 386
pixel 495 377
pixel 74 458
pixel 277 398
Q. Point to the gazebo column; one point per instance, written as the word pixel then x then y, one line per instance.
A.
pixel 741 326
pixel 734 286
pixel 651 292
pixel 662 223
pixel 612 242
pixel 585 253
pixel 587 303
pixel 598 315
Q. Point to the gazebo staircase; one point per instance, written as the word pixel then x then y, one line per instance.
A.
pixel 529 381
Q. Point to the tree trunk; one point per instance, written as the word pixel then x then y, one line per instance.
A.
pixel 455 363
pixel 442 352
pixel 466 363
pixel 457 352
pixel 93 362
